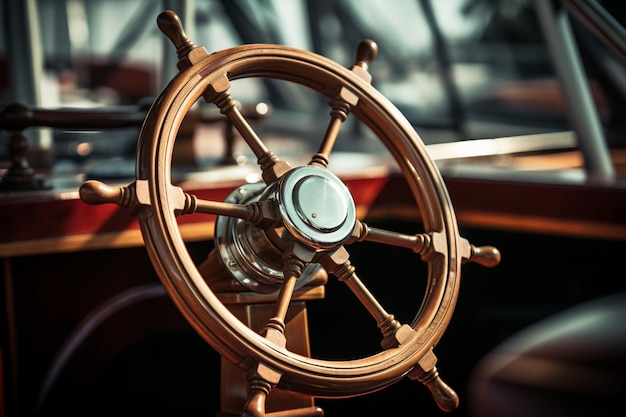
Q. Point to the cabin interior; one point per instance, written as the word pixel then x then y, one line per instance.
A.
pixel 519 104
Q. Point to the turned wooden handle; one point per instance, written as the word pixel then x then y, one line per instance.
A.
pixel 445 397
pixel 96 192
pixel 172 27
pixel 487 256
pixel 366 52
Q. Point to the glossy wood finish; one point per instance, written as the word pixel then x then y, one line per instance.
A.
pixel 588 211
pixel 574 210
pixel 57 221
pixel 407 348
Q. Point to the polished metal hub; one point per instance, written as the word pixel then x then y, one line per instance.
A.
pixel 317 210
pixel 251 256
pixel 316 207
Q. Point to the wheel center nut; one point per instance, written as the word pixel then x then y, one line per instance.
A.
pixel 320 203
pixel 316 206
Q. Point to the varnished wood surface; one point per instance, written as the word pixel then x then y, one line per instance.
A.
pixel 554 209
pixel 49 221
pixel 58 221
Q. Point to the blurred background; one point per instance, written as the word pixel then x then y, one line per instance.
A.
pixel 457 69
pixel 483 83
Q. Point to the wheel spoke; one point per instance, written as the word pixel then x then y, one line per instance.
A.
pixel 260 213
pixel 218 92
pixel 338 264
pixel 295 258
pixel 297 235
pixel 341 107
pixel 427 244
pixel 338 116
pixel 343 103
pixel 420 243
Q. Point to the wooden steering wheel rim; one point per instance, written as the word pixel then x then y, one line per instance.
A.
pixel 195 299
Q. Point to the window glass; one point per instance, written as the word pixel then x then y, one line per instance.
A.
pixel 438 61
pixel 457 69
pixel 100 52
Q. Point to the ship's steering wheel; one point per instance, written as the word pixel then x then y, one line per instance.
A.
pixel 275 236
